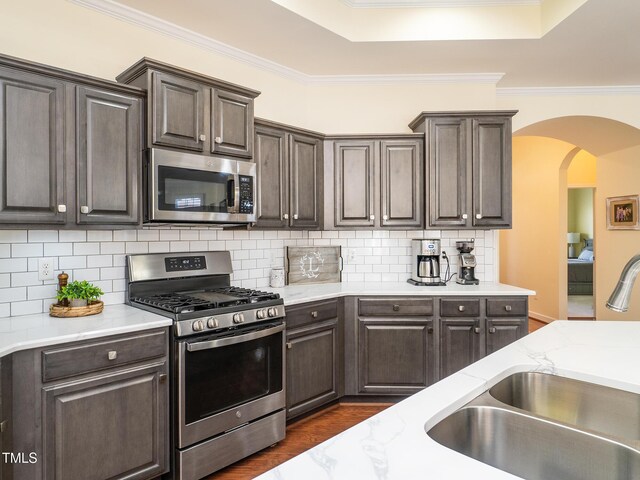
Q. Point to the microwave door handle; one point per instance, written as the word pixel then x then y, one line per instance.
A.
pixel 233 194
pixel 223 342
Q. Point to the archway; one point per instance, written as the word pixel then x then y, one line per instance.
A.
pixel 533 254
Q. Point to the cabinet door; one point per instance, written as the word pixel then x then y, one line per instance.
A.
pixel 108 157
pixel 272 172
pixel 395 356
pixel 231 124
pixel 305 180
pixel 178 112
pixel 501 332
pixel 354 172
pixel 460 341
pixel 313 367
pixel 447 175
pixel 491 172
pixel 110 426
pixel 401 183
pixel 32 184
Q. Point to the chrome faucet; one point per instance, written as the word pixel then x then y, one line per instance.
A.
pixel 619 299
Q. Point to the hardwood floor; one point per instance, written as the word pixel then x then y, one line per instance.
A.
pixel 535 324
pixel 301 436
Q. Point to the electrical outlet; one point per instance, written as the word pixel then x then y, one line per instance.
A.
pixel 45 269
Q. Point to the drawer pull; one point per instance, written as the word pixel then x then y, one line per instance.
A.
pixel 314 314
pixel 202 137
pixel 289 345
pixel 461 308
pixel 492 330
pixel 430 330
pixel 112 355
pixel 507 308
pixel 162 377
pixel 476 330
pixel 396 308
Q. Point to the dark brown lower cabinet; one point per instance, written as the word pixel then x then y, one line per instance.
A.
pixel 503 331
pixel 314 356
pixel 459 344
pixel 395 355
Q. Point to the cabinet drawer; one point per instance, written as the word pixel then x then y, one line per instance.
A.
pixel 459 307
pixel 395 307
pixel 507 307
pixel 75 360
pixel 311 313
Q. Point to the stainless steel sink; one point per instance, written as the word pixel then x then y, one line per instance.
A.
pixel 546 427
pixel 533 448
pixel 585 405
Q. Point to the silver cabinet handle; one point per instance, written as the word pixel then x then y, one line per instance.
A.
pixel 285 216
pixel 465 216
pixel 295 216
pixel 507 308
pixel 314 314
pixel 372 217
pixel 492 330
pixel 162 378
pixel 84 209
pixel 478 216
pixel 289 345
pixel 218 139
pixel 385 217
pixel 202 137
pixel 461 308
pixel 476 330
pixel 62 208
pixel 396 308
pixel 112 355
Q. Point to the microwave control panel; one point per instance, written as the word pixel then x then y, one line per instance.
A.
pixel 246 194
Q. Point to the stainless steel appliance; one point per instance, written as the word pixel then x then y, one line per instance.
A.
pixel 227 358
pixel 466 263
pixel 425 269
pixel 183 187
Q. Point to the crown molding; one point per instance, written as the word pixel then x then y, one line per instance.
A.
pixel 555 91
pixel 437 3
pixel 144 20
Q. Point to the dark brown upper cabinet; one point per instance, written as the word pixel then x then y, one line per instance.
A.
pixel 378 182
pixel 191 111
pixel 289 164
pixel 468 168
pixel 70 147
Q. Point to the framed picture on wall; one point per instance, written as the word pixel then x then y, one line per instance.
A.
pixel 622 213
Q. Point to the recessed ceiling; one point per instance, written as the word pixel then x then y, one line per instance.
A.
pixel 587 42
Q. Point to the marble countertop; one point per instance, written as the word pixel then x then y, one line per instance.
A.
pixel 40 330
pixel 294 294
pixel 393 445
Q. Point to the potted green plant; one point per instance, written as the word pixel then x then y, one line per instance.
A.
pixel 79 294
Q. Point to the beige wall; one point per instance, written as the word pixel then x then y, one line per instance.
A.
pixel 533 253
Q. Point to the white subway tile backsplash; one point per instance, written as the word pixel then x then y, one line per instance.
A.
pixel 216 245
pixel 119 260
pixel 41 292
pixel 72 236
pixel 27 250
pixel 5 280
pixel 13 236
pixel 148 235
pixel 5 250
pixel 119 285
pixel 169 235
pixel 28 308
pixel 43 236
pixel 10 265
pixel 233 244
pixel 198 245
pixel 248 244
pixel 70 263
pixel 179 246
pixel 208 234
pixel 111 273
pixel 88 274
pixel 21 279
pixel 92 248
pixel 111 248
pixel 13 294
pixel 94 261
pixel 125 235
pixel 58 249
pixel 113 298
pixel 189 234
pixel 158 247
pixel 99 236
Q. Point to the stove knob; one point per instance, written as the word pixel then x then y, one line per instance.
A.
pixel 260 314
pixel 238 318
pixel 272 312
pixel 197 326
pixel 212 322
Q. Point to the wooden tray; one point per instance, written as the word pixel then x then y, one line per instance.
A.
pixel 56 310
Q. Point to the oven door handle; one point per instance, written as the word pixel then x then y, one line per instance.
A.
pixel 223 342
pixel 233 194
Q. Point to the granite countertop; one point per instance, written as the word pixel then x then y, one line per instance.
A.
pixel 40 330
pixel 294 294
pixel 393 445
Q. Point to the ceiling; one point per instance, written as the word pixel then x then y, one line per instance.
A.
pixel 527 43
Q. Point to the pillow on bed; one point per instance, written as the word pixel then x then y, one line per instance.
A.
pixel 586 255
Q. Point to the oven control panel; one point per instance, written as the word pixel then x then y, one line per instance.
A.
pixel 246 194
pixel 179 264
pixel 228 320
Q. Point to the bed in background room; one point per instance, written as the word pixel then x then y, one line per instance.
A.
pixel 580 274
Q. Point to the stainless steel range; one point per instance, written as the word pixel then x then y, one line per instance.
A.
pixel 228 380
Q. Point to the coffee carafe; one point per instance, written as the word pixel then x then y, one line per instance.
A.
pixel 466 263
pixel 425 269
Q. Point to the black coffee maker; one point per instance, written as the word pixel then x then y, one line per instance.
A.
pixel 466 263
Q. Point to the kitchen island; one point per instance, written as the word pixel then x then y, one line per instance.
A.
pixel 394 445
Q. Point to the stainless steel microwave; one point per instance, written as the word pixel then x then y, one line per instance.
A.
pixel 184 187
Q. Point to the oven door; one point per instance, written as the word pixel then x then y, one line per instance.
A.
pixel 184 187
pixel 228 380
